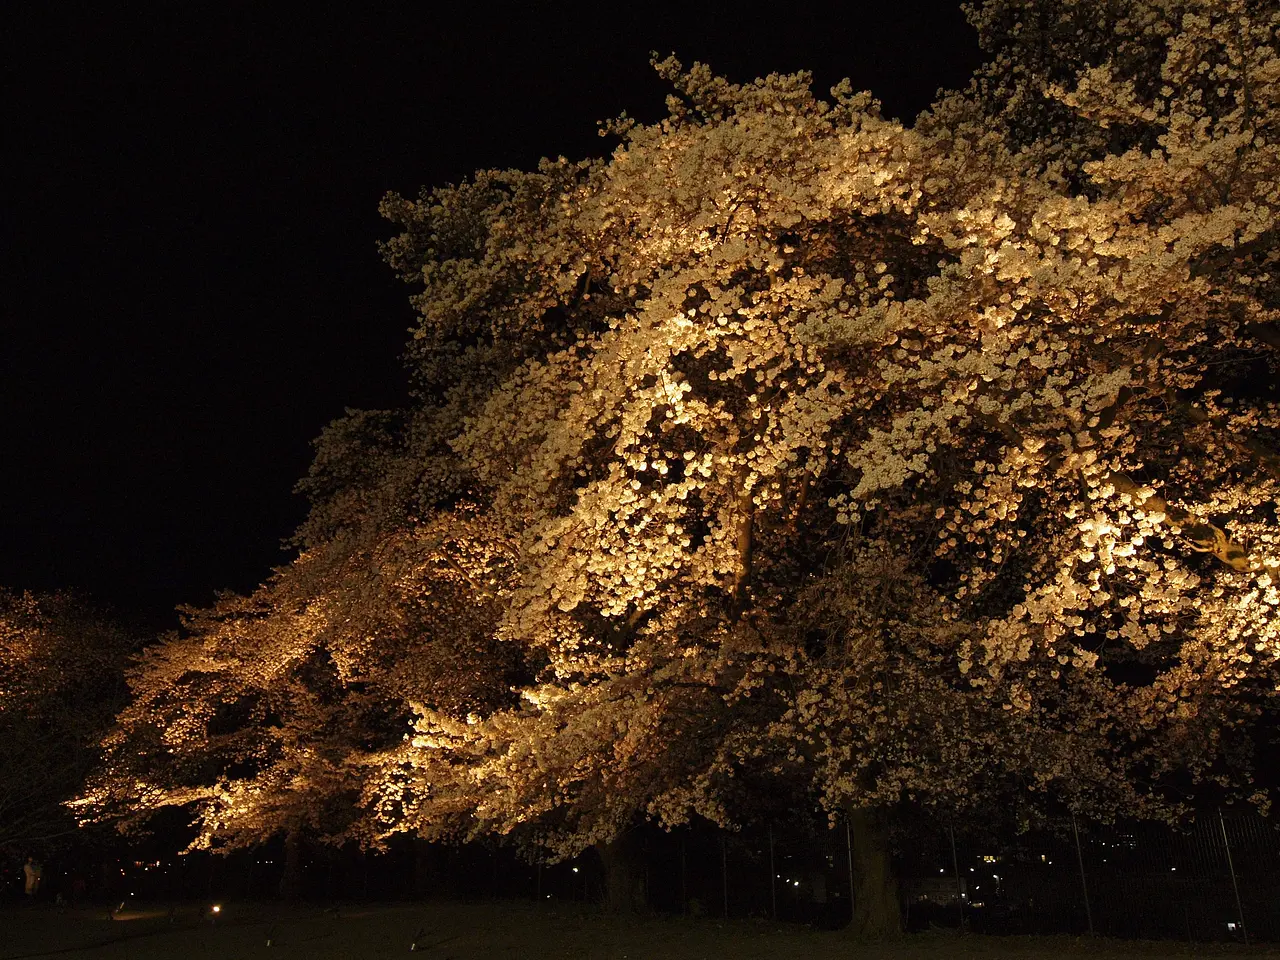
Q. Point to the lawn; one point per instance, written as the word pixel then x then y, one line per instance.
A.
pixel 452 931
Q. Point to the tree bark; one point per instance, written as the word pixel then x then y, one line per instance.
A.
pixel 877 911
pixel 622 876
pixel 291 877
pixel 423 872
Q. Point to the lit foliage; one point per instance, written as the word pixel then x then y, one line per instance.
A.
pixel 928 463
pixel 925 462
pixel 258 715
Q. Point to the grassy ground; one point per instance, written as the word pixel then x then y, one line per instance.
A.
pixel 511 931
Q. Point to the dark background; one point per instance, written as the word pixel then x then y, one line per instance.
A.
pixel 191 286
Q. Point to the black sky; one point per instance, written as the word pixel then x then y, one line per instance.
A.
pixel 191 282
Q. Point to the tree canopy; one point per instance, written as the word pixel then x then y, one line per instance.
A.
pixel 788 443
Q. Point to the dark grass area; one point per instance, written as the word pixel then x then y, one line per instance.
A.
pixel 452 931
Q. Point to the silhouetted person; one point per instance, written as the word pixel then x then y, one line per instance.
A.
pixel 32 871
pixel 76 886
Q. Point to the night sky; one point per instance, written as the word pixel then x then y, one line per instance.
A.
pixel 191 285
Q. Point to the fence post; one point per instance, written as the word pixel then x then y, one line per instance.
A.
pixel 773 887
pixel 848 843
pixel 1226 845
pixel 1088 912
pixel 955 865
pixel 684 883
pixel 724 871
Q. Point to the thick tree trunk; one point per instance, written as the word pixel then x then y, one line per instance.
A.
pixel 291 877
pixel 423 868
pixel 877 911
pixel 622 876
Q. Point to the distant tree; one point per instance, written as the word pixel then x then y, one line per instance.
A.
pixel 61 682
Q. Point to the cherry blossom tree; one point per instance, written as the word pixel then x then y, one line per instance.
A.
pixel 257 718
pixel 789 445
pixel 925 464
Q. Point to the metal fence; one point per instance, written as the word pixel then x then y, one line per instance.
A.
pixel 1217 880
